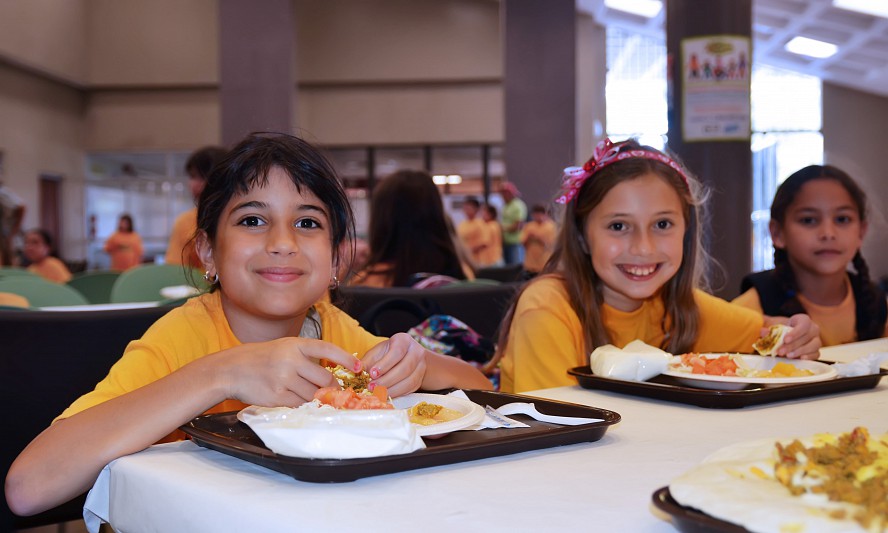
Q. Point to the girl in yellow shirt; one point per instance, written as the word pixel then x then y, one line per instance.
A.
pixel 626 266
pixel 818 222
pixel 38 250
pixel 271 220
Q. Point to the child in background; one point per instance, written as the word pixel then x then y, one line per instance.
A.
pixel 538 237
pixel 473 231
pixel 626 266
pixel 493 254
pixel 124 246
pixel 818 221
pixel 270 222
pixel 39 252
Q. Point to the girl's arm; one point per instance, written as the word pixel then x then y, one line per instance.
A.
pixel 403 366
pixel 803 342
pixel 276 373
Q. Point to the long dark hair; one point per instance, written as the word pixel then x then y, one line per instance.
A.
pixel 572 264
pixel 868 296
pixel 247 165
pixel 409 232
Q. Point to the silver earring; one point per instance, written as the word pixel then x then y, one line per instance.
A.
pixel 334 284
pixel 212 280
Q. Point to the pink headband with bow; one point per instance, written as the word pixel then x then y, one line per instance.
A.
pixel 607 153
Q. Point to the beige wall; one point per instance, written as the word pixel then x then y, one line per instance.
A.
pixel 855 126
pixel 46 35
pixel 41 131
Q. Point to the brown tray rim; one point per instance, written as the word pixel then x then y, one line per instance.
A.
pixel 723 399
pixel 438 452
pixel 690 520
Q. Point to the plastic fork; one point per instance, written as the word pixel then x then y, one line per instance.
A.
pixel 530 410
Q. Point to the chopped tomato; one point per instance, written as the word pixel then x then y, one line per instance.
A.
pixel 349 399
pixel 719 366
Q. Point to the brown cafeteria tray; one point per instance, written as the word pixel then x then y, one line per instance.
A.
pixel 668 388
pixel 225 433
pixel 690 520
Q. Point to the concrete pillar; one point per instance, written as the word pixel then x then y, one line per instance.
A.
pixel 257 47
pixel 540 94
pixel 718 152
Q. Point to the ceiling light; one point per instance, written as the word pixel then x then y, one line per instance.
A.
pixel 644 8
pixel 439 179
pixel 878 8
pixel 811 47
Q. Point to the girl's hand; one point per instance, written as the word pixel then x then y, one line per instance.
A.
pixel 279 373
pixel 398 363
pixel 803 342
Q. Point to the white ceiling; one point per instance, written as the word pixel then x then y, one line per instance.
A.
pixel 861 62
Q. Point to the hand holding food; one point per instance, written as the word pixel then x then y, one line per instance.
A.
pixel 282 372
pixel 801 340
pixel 398 364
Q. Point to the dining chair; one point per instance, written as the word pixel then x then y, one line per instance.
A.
pixel 95 285
pixel 145 282
pixel 505 274
pixel 42 293
pixel 480 306
pixel 47 360
pixel 9 272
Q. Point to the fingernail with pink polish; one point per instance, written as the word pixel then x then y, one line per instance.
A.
pixel 371 386
pixel 374 372
pixel 357 367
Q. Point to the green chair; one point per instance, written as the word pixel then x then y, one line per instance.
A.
pixel 144 283
pixel 95 285
pixel 42 293
pixel 9 272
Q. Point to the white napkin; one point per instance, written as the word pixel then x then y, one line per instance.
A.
pixel 862 366
pixel 637 361
pixel 492 419
pixel 316 431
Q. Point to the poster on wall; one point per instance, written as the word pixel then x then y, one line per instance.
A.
pixel 715 88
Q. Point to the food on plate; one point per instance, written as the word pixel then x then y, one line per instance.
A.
pixel 768 344
pixel 824 483
pixel 348 398
pixel 427 414
pixel 733 365
pixel 850 468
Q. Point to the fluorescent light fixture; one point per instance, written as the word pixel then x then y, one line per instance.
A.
pixel 644 8
pixel 811 47
pixel 451 179
pixel 878 8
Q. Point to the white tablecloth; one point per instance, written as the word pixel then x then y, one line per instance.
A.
pixel 600 486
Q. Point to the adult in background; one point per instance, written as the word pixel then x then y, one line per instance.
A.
pixel 180 250
pixel 124 246
pixel 493 254
pixel 514 215
pixel 12 212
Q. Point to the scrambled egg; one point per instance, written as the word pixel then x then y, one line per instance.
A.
pixel 348 379
pixel 850 468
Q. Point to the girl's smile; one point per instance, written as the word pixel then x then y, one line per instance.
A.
pixel 274 258
pixel 634 236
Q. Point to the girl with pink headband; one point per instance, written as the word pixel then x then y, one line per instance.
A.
pixel 628 265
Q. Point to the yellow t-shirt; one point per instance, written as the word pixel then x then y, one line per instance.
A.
pixel 546 338
pixel 538 239
pixel 180 244
pixel 475 236
pixel 124 249
pixel 493 254
pixel 194 330
pixel 51 268
pixel 838 323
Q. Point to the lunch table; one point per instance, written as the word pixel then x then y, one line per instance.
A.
pixel 598 486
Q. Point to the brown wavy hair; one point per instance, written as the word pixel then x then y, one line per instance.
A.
pixel 572 264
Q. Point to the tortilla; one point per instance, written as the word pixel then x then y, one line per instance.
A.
pixel 769 344
pixel 726 486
